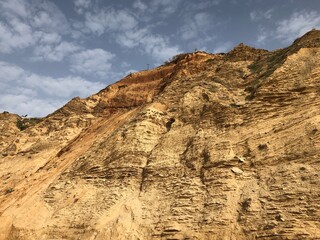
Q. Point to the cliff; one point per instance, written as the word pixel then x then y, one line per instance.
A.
pixel 207 146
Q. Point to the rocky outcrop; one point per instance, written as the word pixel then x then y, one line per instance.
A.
pixel 207 146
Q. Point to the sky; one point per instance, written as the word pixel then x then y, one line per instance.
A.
pixel 54 50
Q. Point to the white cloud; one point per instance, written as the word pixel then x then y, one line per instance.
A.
pixel 195 25
pixel 25 104
pixel 130 71
pixel 200 5
pixel 109 19
pixel 197 29
pixel 132 38
pixel 257 15
pixel 159 48
pixel 138 4
pixel 222 47
pixel 298 24
pixel 25 23
pixel 124 27
pixel 65 87
pixel 156 46
pixel 203 19
pixel 14 7
pixel 24 92
pixel 263 34
pixel 15 35
pixel 40 14
pixel 47 38
pixel 93 61
pixel 54 53
pixel 48 17
pixel 10 72
pixel 125 65
pixel 82 3
pixel 165 7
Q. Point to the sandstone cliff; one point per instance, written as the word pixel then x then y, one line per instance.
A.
pixel 207 146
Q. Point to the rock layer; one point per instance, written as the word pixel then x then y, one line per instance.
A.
pixel 207 146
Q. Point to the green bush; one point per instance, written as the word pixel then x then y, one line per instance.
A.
pixel 210 60
pixel 24 123
pixel 21 125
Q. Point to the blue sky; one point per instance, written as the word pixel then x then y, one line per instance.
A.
pixel 54 50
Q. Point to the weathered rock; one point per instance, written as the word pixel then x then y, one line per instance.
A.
pixel 236 170
pixel 157 155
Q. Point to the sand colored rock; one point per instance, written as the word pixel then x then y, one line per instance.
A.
pixel 207 146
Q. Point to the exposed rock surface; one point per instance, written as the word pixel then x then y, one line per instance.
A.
pixel 209 146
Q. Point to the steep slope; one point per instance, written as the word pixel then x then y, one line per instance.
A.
pixel 208 146
pixel 8 126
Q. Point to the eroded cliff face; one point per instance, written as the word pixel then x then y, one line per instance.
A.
pixel 209 146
